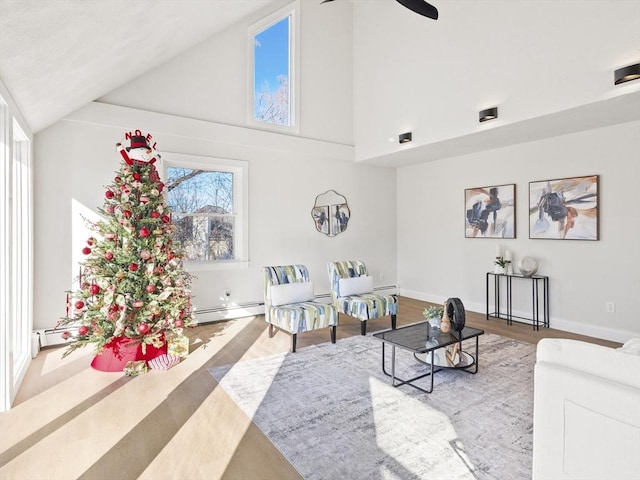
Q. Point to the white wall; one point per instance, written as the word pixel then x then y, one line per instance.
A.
pixel 209 82
pixel 529 58
pixel 436 261
pixel 76 157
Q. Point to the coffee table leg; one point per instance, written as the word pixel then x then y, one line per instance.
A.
pixel 401 381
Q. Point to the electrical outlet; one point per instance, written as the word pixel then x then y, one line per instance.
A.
pixel 611 307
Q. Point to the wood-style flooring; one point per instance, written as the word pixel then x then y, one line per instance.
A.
pixel 70 421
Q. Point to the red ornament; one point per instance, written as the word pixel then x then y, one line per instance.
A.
pixel 150 288
pixel 110 209
pixel 166 219
pixel 144 232
pixel 86 250
pixel 179 323
pixel 83 330
pixel 136 176
pixel 94 289
pixel 108 256
pixel 109 194
pixel 133 267
pixel 143 328
pixel 91 241
pixel 65 335
pixel 117 179
pixel 155 214
pixel 79 304
pixel 126 213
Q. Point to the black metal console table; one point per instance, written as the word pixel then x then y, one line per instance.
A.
pixel 536 294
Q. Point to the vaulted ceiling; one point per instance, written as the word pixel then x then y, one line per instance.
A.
pixel 58 55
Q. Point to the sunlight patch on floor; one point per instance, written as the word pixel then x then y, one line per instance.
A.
pixel 438 445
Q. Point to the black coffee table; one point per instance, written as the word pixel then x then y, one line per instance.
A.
pixel 414 338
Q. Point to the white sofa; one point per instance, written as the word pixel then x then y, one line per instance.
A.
pixel 586 420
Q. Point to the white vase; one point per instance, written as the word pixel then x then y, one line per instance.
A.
pixel 498 270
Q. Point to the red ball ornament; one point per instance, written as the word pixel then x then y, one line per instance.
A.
pixel 136 176
pixel 166 219
pixel 91 241
pixel 155 214
pixel 133 267
pixel 144 232
pixel 109 194
pixel 110 209
pixel 179 323
pixel 117 179
pixel 79 304
pixel 65 335
pixel 108 256
pixel 143 328
pixel 94 289
pixel 83 330
pixel 126 213
pixel 150 288
pixel 86 250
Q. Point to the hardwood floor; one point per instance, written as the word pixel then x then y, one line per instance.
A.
pixel 70 421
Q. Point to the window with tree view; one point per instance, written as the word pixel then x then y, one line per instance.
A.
pixel 202 208
pixel 272 62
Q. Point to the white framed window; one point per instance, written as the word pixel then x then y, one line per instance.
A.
pixel 273 71
pixel 16 255
pixel 208 201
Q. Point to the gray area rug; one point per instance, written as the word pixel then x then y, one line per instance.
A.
pixel 332 412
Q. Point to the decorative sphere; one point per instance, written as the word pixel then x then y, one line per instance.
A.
pixel 143 328
pixel 528 266
pixel 94 289
pixel 86 250
pixel 83 330
pixel 79 304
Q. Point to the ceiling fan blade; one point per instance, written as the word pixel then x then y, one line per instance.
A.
pixel 420 7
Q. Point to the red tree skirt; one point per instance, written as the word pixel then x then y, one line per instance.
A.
pixel 121 350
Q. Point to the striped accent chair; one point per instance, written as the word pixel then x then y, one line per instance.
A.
pixel 352 293
pixel 289 303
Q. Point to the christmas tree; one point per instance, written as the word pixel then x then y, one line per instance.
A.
pixel 132 284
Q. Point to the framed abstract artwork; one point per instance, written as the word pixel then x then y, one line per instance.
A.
pixel 490 212
pixel 564 209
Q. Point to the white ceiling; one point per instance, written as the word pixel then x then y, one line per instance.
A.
pixel 75 51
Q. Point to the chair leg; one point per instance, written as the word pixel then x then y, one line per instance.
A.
pixel 271 330
pixel 294 337
pixel 333 334
pixel 393 322
pixel 363 327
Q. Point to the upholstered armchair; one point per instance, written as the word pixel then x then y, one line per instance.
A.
pixel 289 303
pixel 352 294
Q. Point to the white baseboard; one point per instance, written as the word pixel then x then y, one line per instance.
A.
pixel 570 326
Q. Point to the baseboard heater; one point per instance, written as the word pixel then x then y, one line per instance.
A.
pixel 229 312
pixel 51 336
